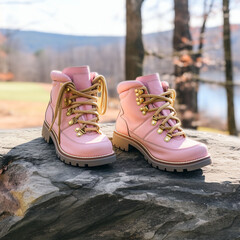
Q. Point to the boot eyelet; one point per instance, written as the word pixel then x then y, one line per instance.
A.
pixel 67 101
pixel 144 110
pixel 168 137
pixel 138 92
pixel 154 120
pixel 69 112
pixel 160 129
pixel 80 132
pixel 77 129
pixel 72 121
pixel 139 101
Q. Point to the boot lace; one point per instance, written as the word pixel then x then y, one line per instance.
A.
pixel 168 97
pixel 98 103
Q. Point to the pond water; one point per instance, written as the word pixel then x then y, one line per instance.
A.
pixel 212 99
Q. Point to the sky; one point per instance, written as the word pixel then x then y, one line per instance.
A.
pixel 100 17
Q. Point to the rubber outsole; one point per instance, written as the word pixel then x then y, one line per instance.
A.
pixel 50 137
pixel 124 142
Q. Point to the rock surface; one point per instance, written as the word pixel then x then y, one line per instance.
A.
pixel 42 198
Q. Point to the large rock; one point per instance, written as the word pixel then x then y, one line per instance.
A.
pixel 42 198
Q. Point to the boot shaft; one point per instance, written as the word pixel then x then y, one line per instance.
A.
pixel 132 106
pixel 80 76
pixel 82 80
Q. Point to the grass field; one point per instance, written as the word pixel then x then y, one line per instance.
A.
pixel 23 104
pixel 22 91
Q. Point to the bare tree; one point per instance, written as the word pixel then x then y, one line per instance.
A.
pixel 182 36
pixel 182 45
pixel 228 68
pixel 197 57
pixel 187 62
pixel 134 51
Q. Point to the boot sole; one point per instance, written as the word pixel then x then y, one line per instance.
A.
pixel 123 142
pixel 50 137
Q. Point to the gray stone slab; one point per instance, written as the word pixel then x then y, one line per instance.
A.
pixel 42 198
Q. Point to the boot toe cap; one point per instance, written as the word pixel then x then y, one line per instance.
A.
pixel 190 152
pixel 91 145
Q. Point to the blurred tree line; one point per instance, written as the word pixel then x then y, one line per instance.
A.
pixel 36 66
pixel 187 61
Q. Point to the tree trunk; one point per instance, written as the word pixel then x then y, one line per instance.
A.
pixel 182 37
pixel 228 68
pixel 134 45
pixel 183 63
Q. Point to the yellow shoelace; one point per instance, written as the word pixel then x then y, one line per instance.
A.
pixel 168 97
pixel 99 105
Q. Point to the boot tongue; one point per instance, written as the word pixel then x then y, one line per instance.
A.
pixel 154 86
pixel 152 82
pixel 80 76
pixel 81 79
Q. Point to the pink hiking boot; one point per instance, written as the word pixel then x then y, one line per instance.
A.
pixel 148 122
pixel 72 115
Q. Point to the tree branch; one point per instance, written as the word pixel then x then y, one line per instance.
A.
pixel 203 28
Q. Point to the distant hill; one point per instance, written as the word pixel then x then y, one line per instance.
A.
pixel 33 41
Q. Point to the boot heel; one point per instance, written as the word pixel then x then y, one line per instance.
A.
pixel 120 142
pixel 46 134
